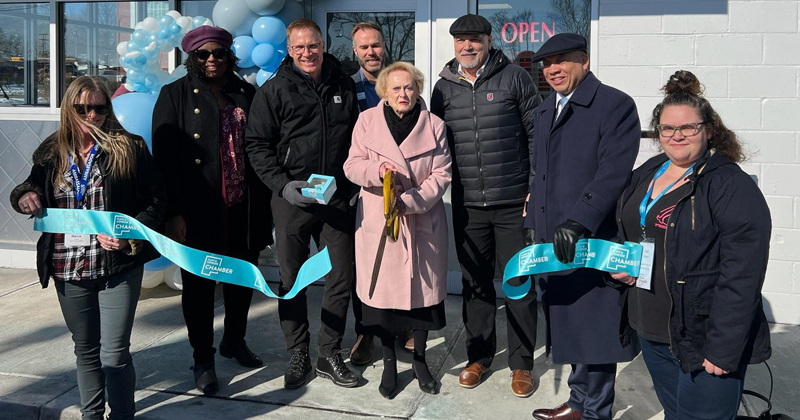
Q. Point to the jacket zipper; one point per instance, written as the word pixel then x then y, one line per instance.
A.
pixel 477 144
pixel 286 158
pixel 692 212
pixel 666 280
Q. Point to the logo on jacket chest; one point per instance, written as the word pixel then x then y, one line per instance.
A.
pixel 337 99
pixel 490 97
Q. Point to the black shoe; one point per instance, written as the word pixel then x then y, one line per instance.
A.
pixel 388 386
pixel 333 368
pixel 362 350
pixel 205 378
pixel 426 387
pixel 243 355
pixel 299 368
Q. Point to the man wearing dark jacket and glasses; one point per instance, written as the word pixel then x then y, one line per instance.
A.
pixel 487 103
pixel 300 123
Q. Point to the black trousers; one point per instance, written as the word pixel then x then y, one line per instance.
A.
pixel 487 237
pixel 198 295
pixel 334 225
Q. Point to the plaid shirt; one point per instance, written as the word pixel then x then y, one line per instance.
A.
pixel 79 262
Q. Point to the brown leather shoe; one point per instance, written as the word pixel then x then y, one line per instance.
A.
pixel 362 350
pixel 521 383
pixel 407 339
pixel 562 412
pixel 472 375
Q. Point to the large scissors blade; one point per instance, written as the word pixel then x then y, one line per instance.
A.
pixel 377 267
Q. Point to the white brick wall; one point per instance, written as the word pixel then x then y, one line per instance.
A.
pixel 747 55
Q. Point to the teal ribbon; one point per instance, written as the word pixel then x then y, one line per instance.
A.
pixel 204 264
pixel 589 253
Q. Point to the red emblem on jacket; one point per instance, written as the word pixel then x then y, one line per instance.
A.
pixel 490 97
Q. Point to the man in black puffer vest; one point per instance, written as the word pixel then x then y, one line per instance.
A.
pixel 487 103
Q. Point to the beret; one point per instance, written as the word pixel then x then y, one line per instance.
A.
pixel 197 37
pixel 471 24
pixel 559 44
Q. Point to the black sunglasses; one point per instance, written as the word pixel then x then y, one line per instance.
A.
pixel 83 109
pixel 219 54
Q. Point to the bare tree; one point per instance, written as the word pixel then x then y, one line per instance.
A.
pixel 398 31
pixel 573 16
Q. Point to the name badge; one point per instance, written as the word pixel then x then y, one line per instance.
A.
pixel 361 96
pixel 74 239
pixel 644 281
pixel 337 99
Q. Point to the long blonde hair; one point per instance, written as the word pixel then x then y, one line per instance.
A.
pixel 110 137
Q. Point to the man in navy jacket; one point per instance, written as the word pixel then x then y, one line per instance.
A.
pixel 586 141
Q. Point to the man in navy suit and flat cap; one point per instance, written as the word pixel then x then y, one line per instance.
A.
pixel 586 142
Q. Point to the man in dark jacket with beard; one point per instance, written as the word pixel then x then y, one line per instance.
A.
pixel 300 123
pixel 488 104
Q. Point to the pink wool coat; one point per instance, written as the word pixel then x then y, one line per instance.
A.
pixel 413 272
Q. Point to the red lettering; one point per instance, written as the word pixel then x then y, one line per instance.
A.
pixel 506 39
pixel 524 27
pixel 550 33
pixel 534 31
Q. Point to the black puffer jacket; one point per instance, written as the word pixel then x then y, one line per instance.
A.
pixel 717 247
pixel 142 197
pixel 489 130
pixel 296 129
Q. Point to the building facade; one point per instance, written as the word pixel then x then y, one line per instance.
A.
pixel 744 52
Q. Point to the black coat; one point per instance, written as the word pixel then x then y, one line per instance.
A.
pixel 143 197
pixel 186 147
pixel 717 247
pixel 297 129
pixel 489 130
pixel 583 162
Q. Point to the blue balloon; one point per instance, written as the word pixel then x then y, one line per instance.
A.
pixel 198 21
pixel 139 36
pixel 140 87
pixel 122 62
pixel 249 75
pixel 132 46
pixel 269 29
pixel 135 113
pixel 151 81
pixel 153 37
pixel 243 48
pixel 134 75
pixel 140 60
pixel 176 39
pixel 164 34
pixel 158 264
pixel 235 16
pixel 175 28
pixel 291 12
pixel 166 21
pixel 263 76
pixel 263 55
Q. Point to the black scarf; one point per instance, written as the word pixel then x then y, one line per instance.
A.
pixel 401 127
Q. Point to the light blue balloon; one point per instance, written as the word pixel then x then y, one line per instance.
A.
pixel 198 21
pixel 122 62
pixel 140 87
pixel 175 40
pixel 134 75
pixel 139 36
pixel 132 46
pixel 263 76
pixel 234 16
pixel 135 113
pixel 148 53
pixel 158 264
pixel 175 28
pixel 151 81
pixel 166 21
pixel 164 34
pixel 265 7
pixel 291 11
pixel 243 48
pixel 140 61
pixel 262 55
pixel 269 30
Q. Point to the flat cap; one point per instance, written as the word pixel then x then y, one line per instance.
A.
pixel 560 44
pixel 471 24
pixel 198 37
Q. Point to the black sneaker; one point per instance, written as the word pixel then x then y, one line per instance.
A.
pixel 333 368
pixel 299 368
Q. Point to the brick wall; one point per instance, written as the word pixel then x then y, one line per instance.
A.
pixel 747 54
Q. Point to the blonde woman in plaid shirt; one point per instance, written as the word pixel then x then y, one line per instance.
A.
pixel 97 277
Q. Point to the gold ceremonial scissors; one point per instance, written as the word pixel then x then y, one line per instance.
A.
pixel 391 229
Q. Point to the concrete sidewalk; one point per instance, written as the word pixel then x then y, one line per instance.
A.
pixel 37 369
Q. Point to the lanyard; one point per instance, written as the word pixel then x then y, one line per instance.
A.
pixel 644 208
pixel 81 182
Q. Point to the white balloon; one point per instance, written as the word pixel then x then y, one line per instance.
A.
pixel 185 23
pixel 175 14
pixel 208 22
pixel 151 279
pixel 133 54
pixel 174 281
pixel 150 24
pixel 129 86
pixel 165 47
pixel 139 25
pixel 122 48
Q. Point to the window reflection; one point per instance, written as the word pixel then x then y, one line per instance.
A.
pixel 24 54
pixel 398 32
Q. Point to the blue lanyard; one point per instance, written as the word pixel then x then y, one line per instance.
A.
pixel 644 208
pixel 81 182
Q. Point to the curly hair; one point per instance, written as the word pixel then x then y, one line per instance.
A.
pixel 683 88
pixel 194 65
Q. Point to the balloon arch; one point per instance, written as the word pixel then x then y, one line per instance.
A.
pixel 259 30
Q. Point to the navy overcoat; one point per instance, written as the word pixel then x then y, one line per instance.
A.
pixel 582 163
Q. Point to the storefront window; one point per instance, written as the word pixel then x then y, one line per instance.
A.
pixel 398 32
pixel 520 27
pixel 24 54
pixel 92 32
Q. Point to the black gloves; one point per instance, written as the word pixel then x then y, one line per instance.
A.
pixel 530 236
pixel 291 193
pixel 565 237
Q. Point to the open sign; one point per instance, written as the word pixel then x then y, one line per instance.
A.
pixel 518 32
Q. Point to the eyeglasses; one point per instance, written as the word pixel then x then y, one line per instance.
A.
pixel 312 48
pixel 686 130
pixel 219 54
pixel 83 109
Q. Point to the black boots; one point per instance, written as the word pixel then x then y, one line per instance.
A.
pixel 299 368
pixel 205 379
pixel 333 368
pixel 243 355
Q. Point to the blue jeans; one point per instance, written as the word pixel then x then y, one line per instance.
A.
pixel 691 396
pixel 99 314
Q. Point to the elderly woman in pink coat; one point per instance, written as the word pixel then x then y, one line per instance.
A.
pixel 402 136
